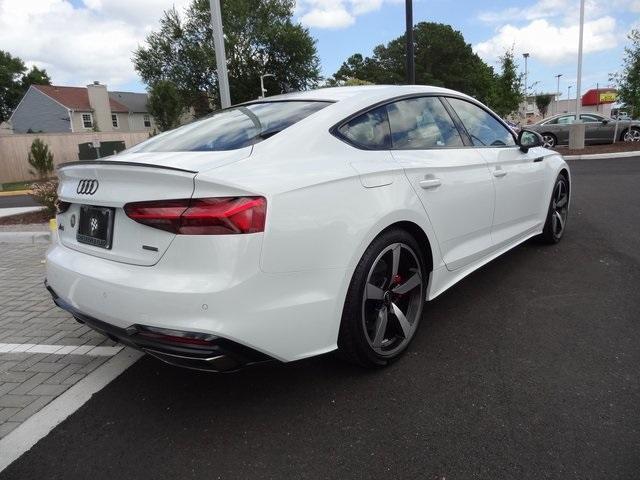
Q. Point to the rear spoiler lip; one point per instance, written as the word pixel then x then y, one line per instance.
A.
pixel 115 162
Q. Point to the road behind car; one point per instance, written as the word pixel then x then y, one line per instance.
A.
pixel 526 369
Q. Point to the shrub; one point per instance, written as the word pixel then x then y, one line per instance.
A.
pixel 46 194
pixel 41 159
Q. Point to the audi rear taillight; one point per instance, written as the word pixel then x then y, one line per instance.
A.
pixel 202 216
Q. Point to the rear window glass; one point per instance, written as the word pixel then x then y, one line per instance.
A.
pixel 233 128
pixel 369 130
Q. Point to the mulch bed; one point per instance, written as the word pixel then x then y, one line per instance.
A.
pixel 41 216
pixel 609 148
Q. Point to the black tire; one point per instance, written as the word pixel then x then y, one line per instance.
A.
pixel 354 340
pixel 555 224
pixel 550 139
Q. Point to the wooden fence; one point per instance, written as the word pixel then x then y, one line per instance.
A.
pixel 14 149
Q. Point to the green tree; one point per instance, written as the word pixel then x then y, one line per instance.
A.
pixel 542 102
pixel 628 80
pixel 35 76
pixel 442 56
pixel 260 37
pixel 15 81
pixel 11 71
pixel 507 92
pixel 165 104
pixel 41 159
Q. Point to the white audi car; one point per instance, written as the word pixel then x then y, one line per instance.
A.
pixel 299 224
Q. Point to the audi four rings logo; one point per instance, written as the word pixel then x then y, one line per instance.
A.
pixel 87 186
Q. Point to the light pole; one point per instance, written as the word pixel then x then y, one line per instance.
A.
pixel 568 94
pixel 558 93
pixel 578 82
pixel 526 73
pixel 262 89
pixel 221 57
pixel 411 64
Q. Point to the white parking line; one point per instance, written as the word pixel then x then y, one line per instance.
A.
pixel 90 350
pixel 40 424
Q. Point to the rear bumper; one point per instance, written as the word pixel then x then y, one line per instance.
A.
pixel 209 286
pixel 221 356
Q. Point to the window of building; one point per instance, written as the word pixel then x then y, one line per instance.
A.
pixel 87 120
pixel 147 120
pixel 369 130
pixel 485 130
pixel 423 122
pixel 114 120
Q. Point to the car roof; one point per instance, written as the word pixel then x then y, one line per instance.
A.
pixel 363 92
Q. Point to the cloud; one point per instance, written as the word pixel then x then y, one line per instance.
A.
pixel 79 44
pixel 335 13
pixel 549 43
pixel 334 17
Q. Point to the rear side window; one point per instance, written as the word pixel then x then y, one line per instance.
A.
pixel 233 128
pixel 422 123
pixel 485 130
pixel 369 130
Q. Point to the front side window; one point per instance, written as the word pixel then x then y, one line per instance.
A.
pixel 87 120
pixel 232 128
pixel 485 130
pixel 423 122
pixel 566 119
pixel 369 130
pixel 591 119
pixel 147 121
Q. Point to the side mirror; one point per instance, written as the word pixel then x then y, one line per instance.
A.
pixel 605 121
pixel 528 139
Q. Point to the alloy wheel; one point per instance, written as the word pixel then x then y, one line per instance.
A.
pixel 632 135
pixel 548 141
pixel 559 208
pixel 393 299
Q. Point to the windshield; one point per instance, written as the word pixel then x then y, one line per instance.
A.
pixel 232 128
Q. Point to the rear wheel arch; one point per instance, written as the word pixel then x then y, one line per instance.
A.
pixel 419 235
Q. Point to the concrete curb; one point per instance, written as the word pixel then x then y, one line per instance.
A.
pixel 25 237
pixel 13 193
pixel 601 156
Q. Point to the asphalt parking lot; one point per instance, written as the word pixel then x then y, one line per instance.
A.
pixel 528 368
pixel 13 201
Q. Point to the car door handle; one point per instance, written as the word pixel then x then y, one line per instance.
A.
pixel 539 159
pixel 430 183
pixel 498 172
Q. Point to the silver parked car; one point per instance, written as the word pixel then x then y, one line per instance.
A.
pixel 599 129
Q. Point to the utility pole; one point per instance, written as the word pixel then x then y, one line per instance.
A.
pixel 568 95
pixel 411 62
pixel 526 73
pixel 221 57
pixel 558 93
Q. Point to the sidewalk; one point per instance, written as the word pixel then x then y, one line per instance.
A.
pixel 43 350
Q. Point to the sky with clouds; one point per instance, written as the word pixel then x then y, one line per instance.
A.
pixel 79 41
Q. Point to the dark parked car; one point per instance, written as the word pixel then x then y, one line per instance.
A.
pixel 599 129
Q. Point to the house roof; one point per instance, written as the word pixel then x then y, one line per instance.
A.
pixel 76 98
pixel 135 102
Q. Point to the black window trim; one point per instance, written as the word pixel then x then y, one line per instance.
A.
pixel 466 138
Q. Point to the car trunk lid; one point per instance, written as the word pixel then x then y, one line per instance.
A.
pixel 95 193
